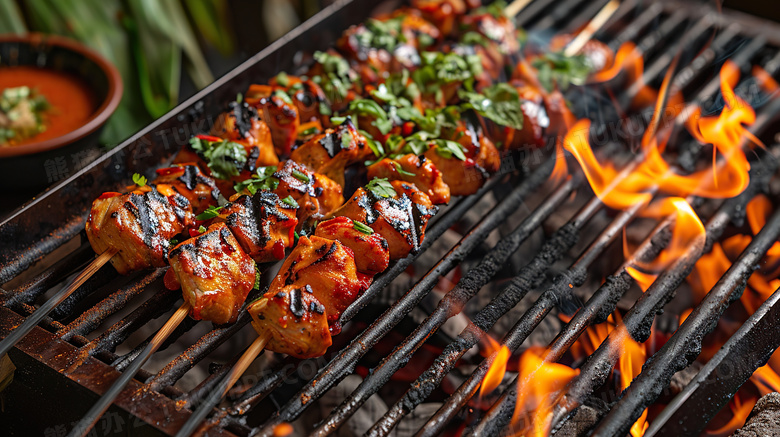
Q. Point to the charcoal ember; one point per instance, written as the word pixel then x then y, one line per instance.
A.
pixel 764 420
pixel 583 421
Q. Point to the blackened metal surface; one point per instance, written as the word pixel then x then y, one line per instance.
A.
pixel 686 343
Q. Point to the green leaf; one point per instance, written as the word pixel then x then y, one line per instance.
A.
pixel 201 229
pixel 301 176
pixel 381 187
pixel 291 202
pixel 556 70
pixel 448 149
pixel 139 179
pixel 211 18
pixel 400 170
pixel 361 227
pixel 263 179
pixel 210 212
pixel 499 103
pixel 224 158
pixel 371 108
pixel 11 20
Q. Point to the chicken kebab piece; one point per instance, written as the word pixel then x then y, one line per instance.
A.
pixel 327 271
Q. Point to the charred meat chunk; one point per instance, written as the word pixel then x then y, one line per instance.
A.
pixel 397 210
pixel 139 225
pixel 263 224
pixel 215 274
pixel 372 253
pixel 418 170
pixel 189 181
pixel 330 152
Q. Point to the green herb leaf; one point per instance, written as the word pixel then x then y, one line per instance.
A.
pixel 361 227
pixel 201 229
pixel 448 149
pixel 283 79
pixel 263 179
pixel 400 170
pixel 224 158
pixel 556 70
pixel 381 187
pixel 297 174
pixel 210 212
pixel 257 278
pixel 139 179
pixel 499 103
pixel 291 202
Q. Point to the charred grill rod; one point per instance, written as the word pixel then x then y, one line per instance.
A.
pixel 684 346
pixel 32 321
pixel 343 364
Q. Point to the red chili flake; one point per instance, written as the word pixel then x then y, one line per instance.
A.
pixel 408 128
pixel 469 163
pixel 208 138
pixel 194 232
pixel 109 194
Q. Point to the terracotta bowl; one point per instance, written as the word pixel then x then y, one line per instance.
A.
pixel 35 165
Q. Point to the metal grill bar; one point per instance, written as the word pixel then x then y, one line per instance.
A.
pixel 715 384
pixel 686 343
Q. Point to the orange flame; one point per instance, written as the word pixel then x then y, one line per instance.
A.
pixel 767 82
pixel 630 365
pixel 628 59
pixel 540 382
pixel 707 271
pixel 740 411
pixel 495 373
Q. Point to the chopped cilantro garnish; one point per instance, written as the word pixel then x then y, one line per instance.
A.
pixel 381 187
pixel 201 229
pixel 361 227
pixel 556 70
pixel 139 180
pixel 371 108
pixel 301 176
pixel 224 158
pixel 290 201
pixel 210 212
pixel 283 79
pixel 400 169
pixel 448 149
pixel 499 103
pixel 263 179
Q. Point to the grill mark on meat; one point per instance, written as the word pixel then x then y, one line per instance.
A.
pixel 244 115
pixel 251 162
pixel 330 252
pixel 296 303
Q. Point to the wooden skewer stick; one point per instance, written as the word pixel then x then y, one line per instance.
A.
pixel 31 322
pixel 97 410
pixel 515 7
pixel 593 26
pixel 227 382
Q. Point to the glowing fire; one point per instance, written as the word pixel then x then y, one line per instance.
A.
pixel 500 355
pixel 539 383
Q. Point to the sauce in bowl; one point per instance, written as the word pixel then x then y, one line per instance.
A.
pixel 71 101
